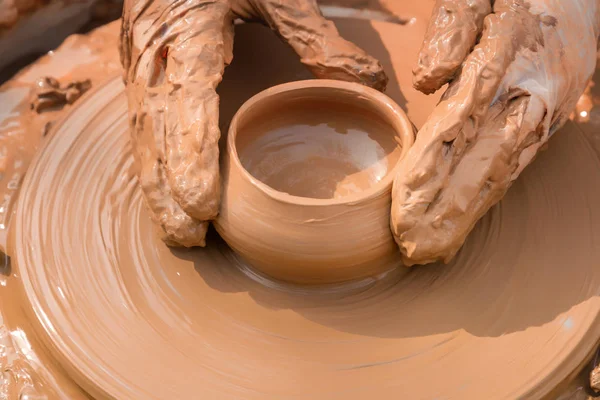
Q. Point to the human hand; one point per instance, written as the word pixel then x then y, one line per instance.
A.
pixel 507 96
pixel 174 54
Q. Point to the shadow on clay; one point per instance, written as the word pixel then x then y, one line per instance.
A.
pixel 489 290
pixel 259 53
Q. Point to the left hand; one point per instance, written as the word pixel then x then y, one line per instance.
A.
pixel 511 93
pixel 174 54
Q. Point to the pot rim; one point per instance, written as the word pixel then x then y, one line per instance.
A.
pixel 405 133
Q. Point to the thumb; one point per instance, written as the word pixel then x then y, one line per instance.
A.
pixel 318 42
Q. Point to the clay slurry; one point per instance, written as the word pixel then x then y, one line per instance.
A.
pixel 318 149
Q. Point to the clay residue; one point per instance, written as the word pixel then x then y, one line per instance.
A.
pixel 171 75
pixel 37 96
pixel 492 121
pixel 48 93
pixel 18 376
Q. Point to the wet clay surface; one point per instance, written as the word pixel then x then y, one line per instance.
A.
pixel 35 98
pixel 318 150
pixel 433 326
pixel 171 74
pixel 218 319
pixel 453 28
pixel 308 239
pixel 48 94
pixel 189 307
pixel 26 372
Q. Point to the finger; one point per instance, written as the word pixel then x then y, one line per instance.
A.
pixel 317 41
pixel 508 141
pixel 196 58
pixel 144 75
pixel 138 16
pixel 453 125
pixel 452 32
pixel 450 128
pixel 148 142
pixel 179 228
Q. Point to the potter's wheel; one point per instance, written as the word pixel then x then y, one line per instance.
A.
pixel 512 316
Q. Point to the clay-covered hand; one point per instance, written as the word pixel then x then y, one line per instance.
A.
pixel 174 53
pixel 516 69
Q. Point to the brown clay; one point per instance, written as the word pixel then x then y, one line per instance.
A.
pixel 32 368
pixel 172 71
pixel 310 204
pixel 218 330
pixel 513 91
pixel 203 312
pixel 48 94
pixel 80 62
pixel 28 371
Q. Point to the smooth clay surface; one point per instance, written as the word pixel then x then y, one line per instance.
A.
pixel 31 103
pixel 512 316
pixel 318 149
pixel 307 181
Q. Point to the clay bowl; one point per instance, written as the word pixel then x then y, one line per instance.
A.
pixel 307 178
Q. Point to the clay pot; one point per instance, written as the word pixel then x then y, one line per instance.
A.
pixel 307 181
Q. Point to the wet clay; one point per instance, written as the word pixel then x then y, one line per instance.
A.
pixel 29 362
pixel 221 331
pixel 28 367
pixel 25 371
pixel 48 94
pixel 306 239
pixel 172 70
pixel 35 98
pixel 318 149
pixel 512 92
pixel 207 315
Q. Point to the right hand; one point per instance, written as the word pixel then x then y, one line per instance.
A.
pixel 515 70
pixel 174 53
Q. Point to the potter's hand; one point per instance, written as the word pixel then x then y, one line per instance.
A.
pixel 174 53
pixel 511 92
